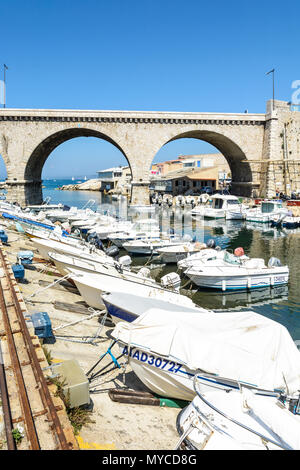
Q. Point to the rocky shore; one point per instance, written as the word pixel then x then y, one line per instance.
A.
pixel 90 185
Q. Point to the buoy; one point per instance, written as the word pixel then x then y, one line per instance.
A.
pixel 239 251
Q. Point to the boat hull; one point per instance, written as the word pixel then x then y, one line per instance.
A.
pixel 167 377
pixel 253 281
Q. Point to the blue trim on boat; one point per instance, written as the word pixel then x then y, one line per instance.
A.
pixel 30 222
pixel 117 312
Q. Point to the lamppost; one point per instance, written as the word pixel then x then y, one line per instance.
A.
pixel 272 72
pixel 4 85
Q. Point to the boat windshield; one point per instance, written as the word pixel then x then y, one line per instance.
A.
pixel 218 203
pixel 267 207
pixel 232 202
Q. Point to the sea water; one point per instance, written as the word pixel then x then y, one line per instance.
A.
pixel 258 241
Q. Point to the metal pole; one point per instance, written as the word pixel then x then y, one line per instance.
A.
pixel 4 96
pixel 273 90
pixel 272 71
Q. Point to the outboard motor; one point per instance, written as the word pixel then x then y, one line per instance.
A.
pixel 94 240
pixel 274 262
pixel 171 281
pixel 125 260
pixel 211 243
pixel 112 251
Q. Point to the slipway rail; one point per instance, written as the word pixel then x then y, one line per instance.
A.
pixel 30 412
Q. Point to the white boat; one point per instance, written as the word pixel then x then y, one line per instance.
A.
pixel 80 250
pixel 142 229
pixel 104 230
pixel 234 273
pixel 285 221
pixel 266 211
pixel 197 259
pixel 56 234
pixel 226 351
pixel 92 285
pixel 124 306
pixel 222 206
pixel 150 246
pixel 175 253
pixel 97 264
pixel 217 420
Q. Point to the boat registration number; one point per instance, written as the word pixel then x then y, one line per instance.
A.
pixel 155 361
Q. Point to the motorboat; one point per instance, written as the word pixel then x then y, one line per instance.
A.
pixel 225 351
pixel 56 234
pixel 150 247
pixel 222 206
pixel 27 217
pixel 231 272
pixel 98 264
pixel 266 211
pixel 140 230
pixel 241 420
pixel 288 221
pixel 124 306
pixel 200 257
pixel 104 230
pixel 81 250
pixel 92 285
pixel 175 253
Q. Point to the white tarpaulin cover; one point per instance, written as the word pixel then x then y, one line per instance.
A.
pixel 242 346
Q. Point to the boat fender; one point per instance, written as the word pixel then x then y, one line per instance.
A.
pixel 144 272
pixel 274 262
pixel 239 251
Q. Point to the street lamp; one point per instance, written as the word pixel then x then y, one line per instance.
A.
pixel 4 84
pixel 272 72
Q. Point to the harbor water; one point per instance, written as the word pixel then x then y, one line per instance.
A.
pixel 281 304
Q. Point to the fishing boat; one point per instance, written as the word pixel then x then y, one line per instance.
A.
pixel 266 211
pixel 222 206
pixel 230 272
pixel 225 351
pixel 124 306
pixel 92 285
pixel 241 420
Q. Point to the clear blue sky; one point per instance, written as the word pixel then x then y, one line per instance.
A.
pixel 145 55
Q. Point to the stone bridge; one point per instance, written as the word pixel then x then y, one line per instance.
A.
pixel 262 150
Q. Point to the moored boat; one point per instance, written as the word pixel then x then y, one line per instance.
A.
pixel 224 350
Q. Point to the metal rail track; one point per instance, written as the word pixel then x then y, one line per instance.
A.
pixel 14 323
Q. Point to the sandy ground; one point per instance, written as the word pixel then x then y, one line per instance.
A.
pixel 116 426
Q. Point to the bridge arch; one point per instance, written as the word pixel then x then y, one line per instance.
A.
pixel 39 155
pixel 241 171
pixel 37 159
